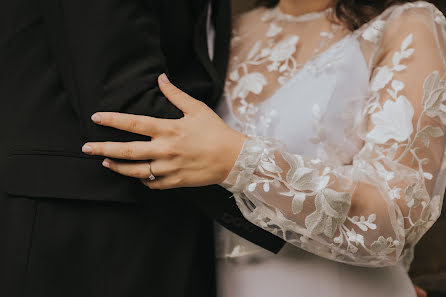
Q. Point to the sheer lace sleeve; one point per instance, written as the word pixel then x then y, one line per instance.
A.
pixel 370 212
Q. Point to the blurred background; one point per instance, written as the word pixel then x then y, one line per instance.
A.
pixel 429 267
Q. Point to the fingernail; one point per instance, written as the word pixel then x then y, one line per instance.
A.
pixel 96 118
pixel 87 149
pixel 164 78
pixel 106 164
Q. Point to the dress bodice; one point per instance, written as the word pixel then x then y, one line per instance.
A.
pixel 346 156
pixel 314 109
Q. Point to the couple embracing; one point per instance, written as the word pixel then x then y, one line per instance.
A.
pixel 126 172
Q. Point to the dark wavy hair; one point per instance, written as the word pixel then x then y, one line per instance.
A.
pixel 352 13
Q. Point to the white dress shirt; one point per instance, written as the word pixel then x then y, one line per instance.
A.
pixel 210 33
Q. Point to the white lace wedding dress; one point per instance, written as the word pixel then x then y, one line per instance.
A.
pixel 346 159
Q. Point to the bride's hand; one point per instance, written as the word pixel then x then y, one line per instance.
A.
pixel 196 150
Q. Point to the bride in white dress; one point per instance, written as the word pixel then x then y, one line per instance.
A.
pixel 334 141
pixel 307 82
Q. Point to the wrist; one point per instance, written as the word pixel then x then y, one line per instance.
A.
pixel 254 150
pixel 232 149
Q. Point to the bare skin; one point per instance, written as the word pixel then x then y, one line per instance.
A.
pixel 177 159
pixel 299 7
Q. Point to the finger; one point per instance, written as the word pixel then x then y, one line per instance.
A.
pixel 138 170
pixel 163 167
pixel 141 170
pixel 138 150
pixel 138 124
pixel 164 183
pixel 180 99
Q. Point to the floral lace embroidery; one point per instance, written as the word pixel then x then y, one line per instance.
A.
pixel 329 230
pixel 279 57
pixel 373 33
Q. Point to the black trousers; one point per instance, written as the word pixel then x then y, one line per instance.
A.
pixel 70 248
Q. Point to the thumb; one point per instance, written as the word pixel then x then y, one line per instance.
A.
pixel 180 99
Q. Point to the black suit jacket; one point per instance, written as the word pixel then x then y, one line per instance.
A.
pixel 68 226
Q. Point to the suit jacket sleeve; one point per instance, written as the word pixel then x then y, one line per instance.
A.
pixel 110 56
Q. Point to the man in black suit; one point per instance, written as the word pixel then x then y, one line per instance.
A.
pixel 69 227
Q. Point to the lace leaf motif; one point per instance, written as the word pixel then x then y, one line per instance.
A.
pixel 391 121
pixel 275 52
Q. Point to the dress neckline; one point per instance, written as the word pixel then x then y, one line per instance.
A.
pixel 276 14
